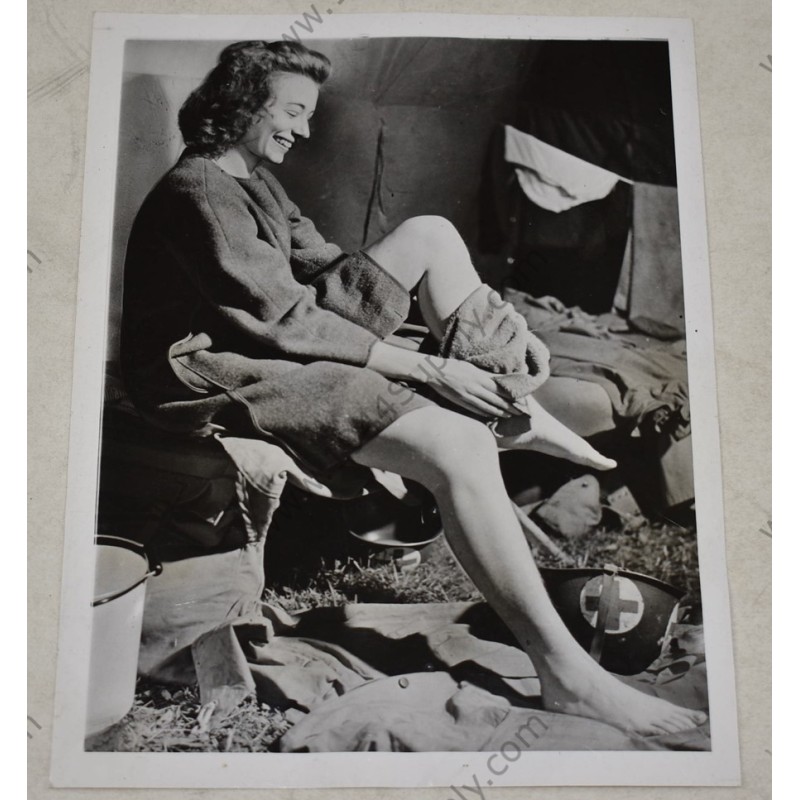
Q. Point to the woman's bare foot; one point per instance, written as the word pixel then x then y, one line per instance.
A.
pixel 586 690
pixel 542 432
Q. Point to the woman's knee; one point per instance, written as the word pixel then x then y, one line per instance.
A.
pixel 415 247
pixel 460 447
pixel 433 446
pixel 431 233
pixel 421 246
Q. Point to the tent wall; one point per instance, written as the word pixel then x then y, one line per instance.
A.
pixel 403 129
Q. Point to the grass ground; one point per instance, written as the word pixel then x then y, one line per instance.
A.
pixel 166 719
pixel 664 551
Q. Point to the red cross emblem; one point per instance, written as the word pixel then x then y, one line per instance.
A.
pixel 626 604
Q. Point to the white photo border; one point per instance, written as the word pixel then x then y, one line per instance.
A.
pixel 72 766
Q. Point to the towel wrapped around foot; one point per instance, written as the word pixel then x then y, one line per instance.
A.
pixel 488 332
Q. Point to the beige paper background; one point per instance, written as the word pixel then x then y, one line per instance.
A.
pixel 732 40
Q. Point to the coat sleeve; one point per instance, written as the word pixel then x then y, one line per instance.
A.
pixel 311 254
pixel 248 281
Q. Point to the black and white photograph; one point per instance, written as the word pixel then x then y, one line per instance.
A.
pixel 388 332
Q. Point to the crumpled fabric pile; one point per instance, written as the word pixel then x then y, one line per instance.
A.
pixel 419 678
pixel 646 379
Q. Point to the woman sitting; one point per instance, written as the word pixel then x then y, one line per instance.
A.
pixel 238 316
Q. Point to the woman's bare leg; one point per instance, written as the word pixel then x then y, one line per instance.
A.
pixel 428 252
pixel 456 458
pixel 582 406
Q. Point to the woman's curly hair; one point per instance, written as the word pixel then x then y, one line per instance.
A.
pixel 218 113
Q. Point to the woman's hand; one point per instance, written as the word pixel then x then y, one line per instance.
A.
pixel 468 386
pixel 460 382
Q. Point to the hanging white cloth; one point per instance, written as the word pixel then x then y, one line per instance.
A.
pixel 553 179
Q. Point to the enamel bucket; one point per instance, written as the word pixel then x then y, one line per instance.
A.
pixel 121 569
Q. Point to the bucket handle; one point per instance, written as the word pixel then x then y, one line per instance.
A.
pixel 137 547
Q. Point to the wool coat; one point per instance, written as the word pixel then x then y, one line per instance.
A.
pixel 239 316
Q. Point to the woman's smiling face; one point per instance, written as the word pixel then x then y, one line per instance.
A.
pixel 284 117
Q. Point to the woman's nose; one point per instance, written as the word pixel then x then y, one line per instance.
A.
pixel 301 128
